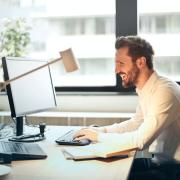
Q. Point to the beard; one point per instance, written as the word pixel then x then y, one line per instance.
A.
pixel 131 77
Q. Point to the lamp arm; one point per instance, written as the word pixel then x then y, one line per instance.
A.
pixel 29 72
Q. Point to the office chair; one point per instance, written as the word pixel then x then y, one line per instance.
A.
pixel 171 170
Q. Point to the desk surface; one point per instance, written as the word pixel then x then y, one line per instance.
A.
pixel 57 167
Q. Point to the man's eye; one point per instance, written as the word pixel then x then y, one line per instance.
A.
pixel 120 64
pixel 117 62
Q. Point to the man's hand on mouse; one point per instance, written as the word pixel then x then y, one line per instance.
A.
pixel 86 133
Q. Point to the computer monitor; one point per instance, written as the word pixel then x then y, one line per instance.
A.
pixel 29 94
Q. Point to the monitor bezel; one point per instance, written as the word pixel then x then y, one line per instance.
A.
pixel 9 91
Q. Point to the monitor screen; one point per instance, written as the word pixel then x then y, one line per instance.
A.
pixel 32 93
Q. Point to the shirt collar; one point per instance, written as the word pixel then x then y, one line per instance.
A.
pixel 148 85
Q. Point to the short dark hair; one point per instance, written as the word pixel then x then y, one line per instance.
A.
pixel 137 47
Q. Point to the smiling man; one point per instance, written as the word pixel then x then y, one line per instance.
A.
pixel 130 62
pixel 156 123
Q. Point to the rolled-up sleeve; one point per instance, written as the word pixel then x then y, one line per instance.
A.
pixel 128 125
pixel 160 114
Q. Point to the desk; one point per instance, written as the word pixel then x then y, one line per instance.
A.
pixel 56 167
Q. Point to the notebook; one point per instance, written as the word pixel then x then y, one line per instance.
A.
pixel 93 151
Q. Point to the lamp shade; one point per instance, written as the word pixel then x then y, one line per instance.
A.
pixel 69 60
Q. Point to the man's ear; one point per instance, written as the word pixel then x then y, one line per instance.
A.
pixel 141 62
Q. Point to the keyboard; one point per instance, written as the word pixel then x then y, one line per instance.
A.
pixel 67 139
pixel 21 151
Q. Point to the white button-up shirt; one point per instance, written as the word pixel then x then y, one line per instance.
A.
pixel 156 123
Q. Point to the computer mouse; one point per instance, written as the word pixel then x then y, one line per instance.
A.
pixel 82 142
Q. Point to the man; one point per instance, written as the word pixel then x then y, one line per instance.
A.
pixel 156 123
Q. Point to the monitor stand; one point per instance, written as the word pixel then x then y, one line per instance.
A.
pixel 20 137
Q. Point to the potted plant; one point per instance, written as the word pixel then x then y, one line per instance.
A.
pixel 14 38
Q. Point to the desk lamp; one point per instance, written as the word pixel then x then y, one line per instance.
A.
pixel 69 61
pixel 70 65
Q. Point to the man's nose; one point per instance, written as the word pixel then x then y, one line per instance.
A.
pixel 117 68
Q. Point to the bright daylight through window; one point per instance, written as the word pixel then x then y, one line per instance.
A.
pixel 87 26
pixel 159 23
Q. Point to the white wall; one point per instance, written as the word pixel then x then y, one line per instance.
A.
pixel 88 103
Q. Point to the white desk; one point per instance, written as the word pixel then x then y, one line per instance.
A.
pixel 57 167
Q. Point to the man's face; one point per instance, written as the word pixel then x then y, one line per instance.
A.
pixel 128 70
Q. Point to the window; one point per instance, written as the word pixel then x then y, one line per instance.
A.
pixel 83 25
pixel 160 25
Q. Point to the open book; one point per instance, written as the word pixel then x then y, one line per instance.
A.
pixel 98 150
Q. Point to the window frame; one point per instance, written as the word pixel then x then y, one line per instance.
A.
pixel 124 27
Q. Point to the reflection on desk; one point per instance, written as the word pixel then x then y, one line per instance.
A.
pixel 57 167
